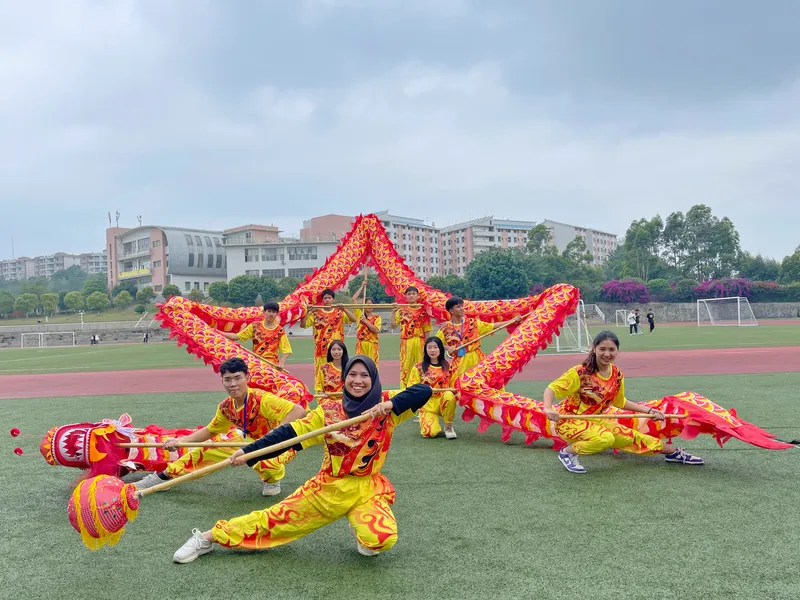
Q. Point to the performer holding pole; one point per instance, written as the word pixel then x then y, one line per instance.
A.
pixel 328 325
pixel 269 338
pixel 414 323
pixel 350 483
pixel 332 380
pixel 590 388
pixel 435 372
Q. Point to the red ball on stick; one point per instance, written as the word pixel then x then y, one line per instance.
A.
pixel 18 451
pixel 15 432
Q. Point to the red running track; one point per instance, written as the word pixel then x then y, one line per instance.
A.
pixel 663 363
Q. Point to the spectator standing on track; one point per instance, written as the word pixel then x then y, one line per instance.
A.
pixel 632 322
pixel 651 319
pixel 638 316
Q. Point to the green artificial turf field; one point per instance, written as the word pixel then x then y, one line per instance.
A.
pixel 477 518
pixel 168 355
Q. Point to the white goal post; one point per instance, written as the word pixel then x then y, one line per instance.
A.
pixel 574 334
pixel 621 316
pixel 39 339
pixel 732 311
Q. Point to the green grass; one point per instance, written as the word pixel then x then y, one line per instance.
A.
pixel 157 355
pixel 477 518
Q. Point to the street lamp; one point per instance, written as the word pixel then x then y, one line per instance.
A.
pixel 80 312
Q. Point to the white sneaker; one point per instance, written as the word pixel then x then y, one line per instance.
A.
pixel 363 550
pixel 271 489
pixel 195 547
pixel 147 482
pixel 450 433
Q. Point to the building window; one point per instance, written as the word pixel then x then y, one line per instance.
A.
pixel 250 255
pixel 253 272
pixel 191 260
pixel 300 273
pixel 270 254
pixel 156 264
pixel 189 241
pixel 208 241
pixel 205 286
pixel 219 261
pixel 156 243
pixel 303 253
pixel 217 243
pixel 210 264
pixel 187 286
pixel 274 273
pixel 197 285
pixel 157 288
pixel 200 260
pixel 198 240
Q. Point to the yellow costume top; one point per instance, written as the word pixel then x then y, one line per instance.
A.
pixel 265 412
pixel 589 393
pixel 267 341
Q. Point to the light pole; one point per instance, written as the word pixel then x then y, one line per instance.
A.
pixel 80 312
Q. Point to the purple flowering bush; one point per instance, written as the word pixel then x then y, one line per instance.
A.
pixel 626 292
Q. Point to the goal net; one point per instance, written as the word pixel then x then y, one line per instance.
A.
pixel 622 317
pixel 47 340
pixel 733 311
pixel 574 334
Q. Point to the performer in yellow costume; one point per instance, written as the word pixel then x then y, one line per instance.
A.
pixel 328 324
pixel 589 389
pixel 369 326
pixel 350 483
pixel 269 338
pixel 414 323
pixel 460 330
pixel 246 414
pixel 332 380
pixel 435 372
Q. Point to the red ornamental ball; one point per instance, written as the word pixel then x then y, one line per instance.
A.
pixel 15 432
pixel 18 451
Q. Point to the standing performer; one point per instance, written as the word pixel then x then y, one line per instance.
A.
pixel 460 330
pixel 328 324
pixel 332 380
pixel 369 326
pixel 269 338
pixel 435 372
pixel 349 484
pixel 589 389
pixel 251 413
pixel 414 323
pixel 651 320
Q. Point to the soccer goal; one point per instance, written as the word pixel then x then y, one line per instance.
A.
pixel 574 334
pixel 732 311
pixel 621 317
pixel 47 340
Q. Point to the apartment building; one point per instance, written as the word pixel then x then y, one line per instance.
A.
pixel 157 256
pixel 48 265
pixel 459 244
pixel 600 244
pixel 416 240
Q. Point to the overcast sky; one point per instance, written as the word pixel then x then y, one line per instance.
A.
pixel 213 114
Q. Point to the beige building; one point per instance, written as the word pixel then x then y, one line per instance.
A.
pixel 599 243
pixel 48 265
pixel 460 243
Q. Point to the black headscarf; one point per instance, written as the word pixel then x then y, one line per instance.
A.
pixel 355 406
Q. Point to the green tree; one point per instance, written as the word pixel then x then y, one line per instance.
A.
pixel 450 284
pixel 218 291
pixel 171 290
pixel 659 289
pixel 36 286
pixel 243 289
pixel 540 241
pixel 790 267
pixel 268 288
pixel 577 252
pixel 49 303
pixel 26 303
pixel 123 299
pixel 139 309
pixel 642 244
pixel 673 241
pixel 145 295
pixel 74 301
pixel 94 284
pixel 759 268
pixel 97 301
pixel 712 244
pixel 196 295
pixel 68 280
pixel 497 274
pixel 128 285
pixel 6 303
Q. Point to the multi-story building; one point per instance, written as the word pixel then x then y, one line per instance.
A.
pixel 460 243
pixel 599 243
pixel 328 228
pixel 158 256
pixel 249 252
pixel 415 240
pixel 48 265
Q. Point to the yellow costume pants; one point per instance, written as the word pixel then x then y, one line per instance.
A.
pixel 368 349
pixel 410 355
pixel 592 437
pixel 444 404
pixel 323 499
pixel 271 471
pixel 318 377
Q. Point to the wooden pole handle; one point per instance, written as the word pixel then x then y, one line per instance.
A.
pixel 364 305
pixel 435 391
pixel 621 416
pixel 231 444
pixel 261 358
pixel 254 454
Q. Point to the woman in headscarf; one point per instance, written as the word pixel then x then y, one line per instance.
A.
pixel 349 484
